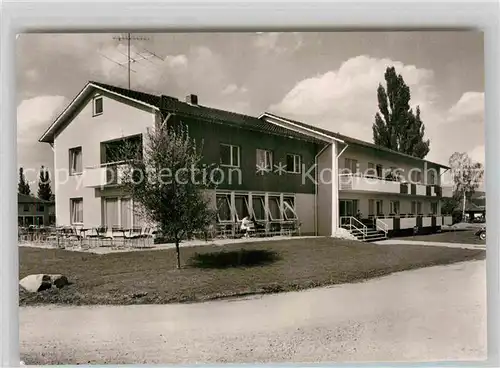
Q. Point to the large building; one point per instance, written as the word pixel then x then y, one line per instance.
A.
pixel 276 169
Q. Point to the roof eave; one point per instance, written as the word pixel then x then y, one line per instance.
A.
pixel 356 141
pixel 301 129
pixel 48 135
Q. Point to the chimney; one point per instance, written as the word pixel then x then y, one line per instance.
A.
pixel 192 99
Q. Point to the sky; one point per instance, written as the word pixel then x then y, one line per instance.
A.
pixel 325 79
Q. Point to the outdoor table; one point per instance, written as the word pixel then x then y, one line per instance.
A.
pixel 83 231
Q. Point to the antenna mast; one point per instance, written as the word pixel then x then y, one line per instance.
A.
pixel 129 37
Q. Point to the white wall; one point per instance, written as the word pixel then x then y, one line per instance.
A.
pixel 304 203
pixel 118 119
pixel 324 193
pixel 404 202
pixel 364 155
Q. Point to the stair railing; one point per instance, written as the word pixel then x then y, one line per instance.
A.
pixel 382 226
pixel 361 227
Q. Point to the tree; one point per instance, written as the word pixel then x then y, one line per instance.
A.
pixel 23 186
pixel 396 126
pixel 167 180
pixel 467 176
pixel 44 189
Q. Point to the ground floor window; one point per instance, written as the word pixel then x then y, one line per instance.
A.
pixel 223 208
pixel 25 221
pixel 434 208
pixel 118 212
pixel 394 208
pixel 76 210
pixel 348 207
pixel 233 207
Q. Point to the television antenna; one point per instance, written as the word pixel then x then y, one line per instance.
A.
pixel 128 37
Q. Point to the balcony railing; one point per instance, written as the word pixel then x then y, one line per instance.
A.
pixel 359 182
pixel 104 175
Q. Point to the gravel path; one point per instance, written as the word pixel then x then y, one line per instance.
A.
pixel 431 314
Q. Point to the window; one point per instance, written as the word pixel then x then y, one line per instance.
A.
pixel 416 176
pixel 223 207
pixel 274 208
pixel 351 165
pixel 431 177
pixel 229 155
pixel 371 172
pixel 264 159
pixel 434 208
pixel 371 207
pixel 123 149
pixel 26 208
pixel 380 207
pixel 97 106
pixel 75 161
pixel 395 207
pixel 76 210
pixel 126 213
pixel 379 169
pixel 289 208
pixel 41 208
pixel 293 163
pixel 413 207
pixel 258 207
pixel 241 207
pixel 118 212
pixel 419 208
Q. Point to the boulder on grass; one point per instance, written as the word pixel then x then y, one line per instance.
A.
pixel 40 282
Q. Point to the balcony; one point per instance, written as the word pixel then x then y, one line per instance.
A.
pixel 360 183
pixel 104 175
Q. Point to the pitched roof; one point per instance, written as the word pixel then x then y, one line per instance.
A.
pixel 349 139
pixel 173 105
pixel 24 198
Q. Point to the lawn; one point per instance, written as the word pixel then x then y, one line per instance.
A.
pixel 148 277
pixel 459 236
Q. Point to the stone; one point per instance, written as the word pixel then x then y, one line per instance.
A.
pixel 40 282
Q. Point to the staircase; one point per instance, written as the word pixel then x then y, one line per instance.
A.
pixel 364 230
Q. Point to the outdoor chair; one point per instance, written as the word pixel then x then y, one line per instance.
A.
pixel 133 235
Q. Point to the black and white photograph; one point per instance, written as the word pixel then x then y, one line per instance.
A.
pixel 251 197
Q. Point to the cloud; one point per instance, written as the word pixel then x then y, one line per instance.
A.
pixel 278 42
pixel 470 105
pixel 478 153
pixel 233 89
pixel 344 100
pixel 34 116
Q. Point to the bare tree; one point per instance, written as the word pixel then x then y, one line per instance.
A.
pixel 467 176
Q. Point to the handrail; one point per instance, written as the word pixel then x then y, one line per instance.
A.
pixel 385 228
pixel 363 230
pixel 381 178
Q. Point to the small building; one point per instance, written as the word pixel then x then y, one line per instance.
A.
pixel 475 207
pixel 34 211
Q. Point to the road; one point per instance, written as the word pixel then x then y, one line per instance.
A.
pixel 431 314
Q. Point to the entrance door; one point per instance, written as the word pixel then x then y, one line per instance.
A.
pixel 348 207
pixel 380 207
pixel 371 208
